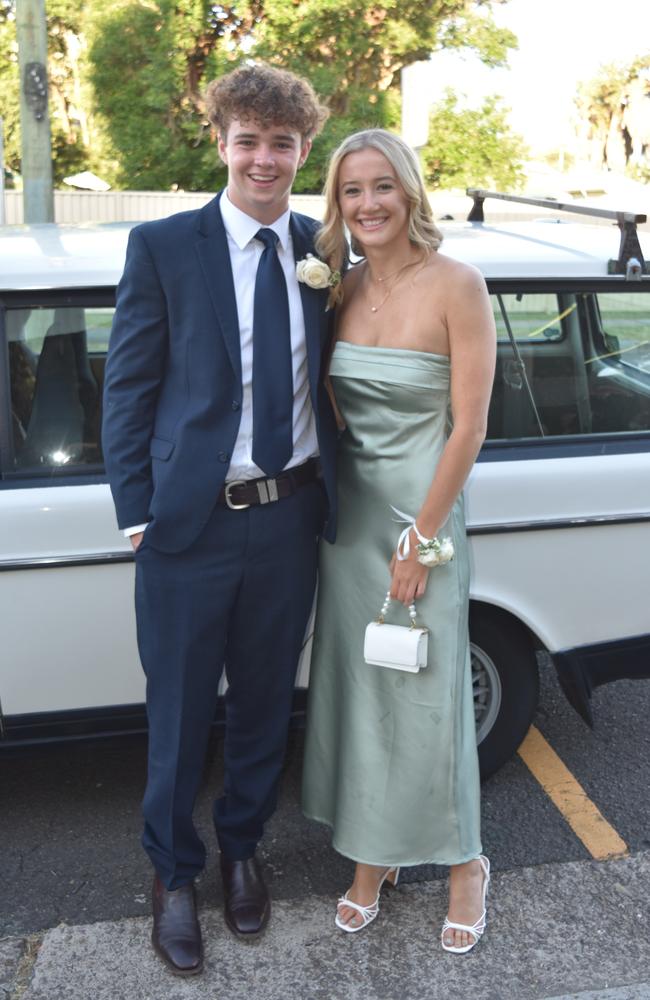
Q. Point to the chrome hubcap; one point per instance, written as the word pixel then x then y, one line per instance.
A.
pixel 486 685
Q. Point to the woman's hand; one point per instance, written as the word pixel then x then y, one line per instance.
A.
pixel 409 576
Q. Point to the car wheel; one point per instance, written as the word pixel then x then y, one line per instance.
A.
pixel 505 682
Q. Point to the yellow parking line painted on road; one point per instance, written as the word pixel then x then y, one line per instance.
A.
pixel 587 822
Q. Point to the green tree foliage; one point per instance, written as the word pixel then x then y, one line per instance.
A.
pixel 70 105
pixel 151 61
pixel 472 146
pixel 70 114
pixel 352 51
pixel 9 98
pixel 614 116
pixel 149 64
pixel 598 102
pixel 127 77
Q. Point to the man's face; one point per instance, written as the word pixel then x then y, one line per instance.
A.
pixel 262 164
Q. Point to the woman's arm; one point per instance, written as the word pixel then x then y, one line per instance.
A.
pixel 472 348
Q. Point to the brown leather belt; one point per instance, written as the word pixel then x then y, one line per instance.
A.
pixel 241 493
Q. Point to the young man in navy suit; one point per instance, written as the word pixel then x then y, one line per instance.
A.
pixel 219 443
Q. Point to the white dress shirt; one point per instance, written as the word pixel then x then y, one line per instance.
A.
pixel 245 252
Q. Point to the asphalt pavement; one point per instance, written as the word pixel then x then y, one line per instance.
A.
pixel 74 885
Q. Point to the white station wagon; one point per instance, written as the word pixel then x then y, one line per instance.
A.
pixel 558 502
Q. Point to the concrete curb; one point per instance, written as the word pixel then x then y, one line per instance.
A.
pixel 639 992
pixel 552 930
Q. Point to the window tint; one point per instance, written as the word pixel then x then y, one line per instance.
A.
pixel 56 359
pixel 571 363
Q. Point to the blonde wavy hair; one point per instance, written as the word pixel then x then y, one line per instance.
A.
pixel 331 243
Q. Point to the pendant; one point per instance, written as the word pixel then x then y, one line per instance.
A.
pixel 373 309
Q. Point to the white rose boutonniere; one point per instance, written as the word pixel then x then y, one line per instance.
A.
pixel 315 273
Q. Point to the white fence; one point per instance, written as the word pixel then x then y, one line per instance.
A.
pixel 138 206
pixel 129 206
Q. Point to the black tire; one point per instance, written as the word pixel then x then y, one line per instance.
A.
pixel 506 685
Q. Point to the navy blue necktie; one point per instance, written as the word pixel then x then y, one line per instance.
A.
pixel 272 373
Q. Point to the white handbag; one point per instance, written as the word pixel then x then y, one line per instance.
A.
pixel 399 647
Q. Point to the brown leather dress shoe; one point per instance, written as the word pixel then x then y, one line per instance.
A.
pixel 176 934
pixel 247 903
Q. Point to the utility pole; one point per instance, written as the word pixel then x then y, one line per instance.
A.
pixel 31 30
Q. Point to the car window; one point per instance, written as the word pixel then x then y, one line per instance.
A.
pixel 56 360
pixel 625 321
pixel 532 317
pixel 571 363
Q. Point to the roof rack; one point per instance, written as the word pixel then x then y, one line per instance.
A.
pixel 630 260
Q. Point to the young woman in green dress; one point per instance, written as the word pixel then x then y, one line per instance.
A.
pixel 390 760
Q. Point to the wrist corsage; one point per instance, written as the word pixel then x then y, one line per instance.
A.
pixel 316 273
pixel 434 551
pixel 430 551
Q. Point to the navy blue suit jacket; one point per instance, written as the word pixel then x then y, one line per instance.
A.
pixel 173 385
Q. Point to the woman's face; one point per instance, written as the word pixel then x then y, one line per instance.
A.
pixel 372 201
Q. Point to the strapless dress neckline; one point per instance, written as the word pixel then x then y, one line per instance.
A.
pixel 390 350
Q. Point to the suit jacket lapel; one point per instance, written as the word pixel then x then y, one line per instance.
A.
pixel 212 248
pixel 313 304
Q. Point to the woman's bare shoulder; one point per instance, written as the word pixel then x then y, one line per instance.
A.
pixel 457 272
pixel 454 284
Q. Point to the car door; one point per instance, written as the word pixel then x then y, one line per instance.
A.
pixel 559 501
pixel 66 573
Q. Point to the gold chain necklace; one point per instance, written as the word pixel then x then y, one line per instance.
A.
pixel 393 274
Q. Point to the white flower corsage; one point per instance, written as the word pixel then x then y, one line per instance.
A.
pixel 431 551
pixel 316 273
pixel 434 551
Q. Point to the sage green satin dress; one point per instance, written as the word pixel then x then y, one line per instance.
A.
pixel 390 757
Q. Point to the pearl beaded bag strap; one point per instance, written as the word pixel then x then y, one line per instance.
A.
pixel 412 613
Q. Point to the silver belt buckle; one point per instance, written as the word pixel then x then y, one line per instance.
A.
pixel 227 489
pixel 267 490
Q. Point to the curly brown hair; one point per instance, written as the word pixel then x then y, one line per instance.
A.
pixel 265 95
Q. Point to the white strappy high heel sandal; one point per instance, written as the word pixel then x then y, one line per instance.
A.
pixel 368 913
pixel 476 930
